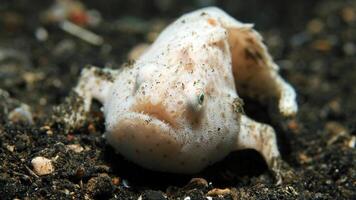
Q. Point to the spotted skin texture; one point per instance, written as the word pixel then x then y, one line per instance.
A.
pixel 177 108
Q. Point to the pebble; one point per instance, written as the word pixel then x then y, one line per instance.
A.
pixel 219 192
pixel 348 14
pixel 116 181
pixel 304 158
pixel 335 106
pixel 47 129
pixel 351 142
pixel 10 148
pixel 322 45
pixel 42 166
pixel 294 126
pixel 21 114
pixel 349 48
pixel 100 186
pixel 91 128
pixel 80 172
pixel 41 34
pixel 33 77
pixel 315 26
pixel 75 147
pixel 197 183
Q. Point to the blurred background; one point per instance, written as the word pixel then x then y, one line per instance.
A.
pixel 36 31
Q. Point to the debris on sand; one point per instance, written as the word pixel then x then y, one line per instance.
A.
pixel 42 166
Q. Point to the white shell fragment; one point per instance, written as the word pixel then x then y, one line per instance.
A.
pixel 42 166
pixel 177 108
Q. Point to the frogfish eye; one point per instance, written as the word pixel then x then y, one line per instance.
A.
pixel 201 97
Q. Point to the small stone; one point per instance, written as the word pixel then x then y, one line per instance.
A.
pixel 41 34
pixel 70 137
pixel 315 26
pixel 75 147
pixel 10 148
pixel 91 128
pixel 197 183
pixel 100 186
pixel 49 132
pixel 66 191
pixel 43 101
pixel 45 128
pixel 349 48
pixel 116 181
pixel 322 45
pixel 335 106
pixel 291 190
pixel 294 126
pixel 219 192
pixel 21 114
pixel 304 158
pixel 31 78
pixel 352 142
pixel 80 172
pixel 348 14
pixel 42 166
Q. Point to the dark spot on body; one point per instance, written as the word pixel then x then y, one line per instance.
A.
pixel 189 66
pixel 253 55
pixel 249 40
pixel 212 21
